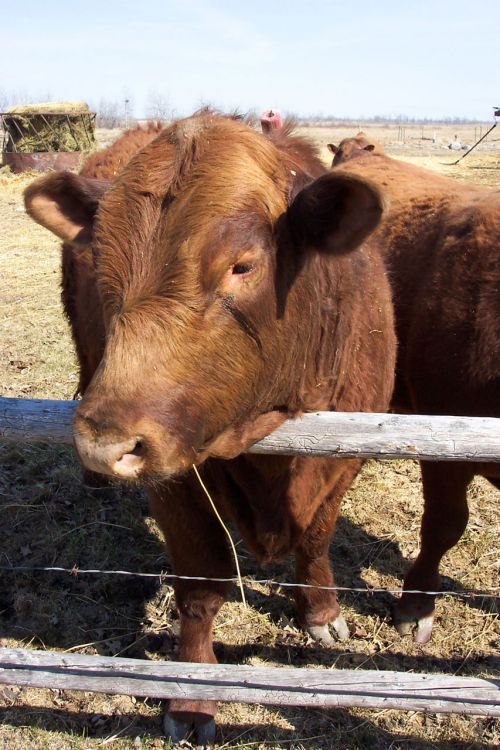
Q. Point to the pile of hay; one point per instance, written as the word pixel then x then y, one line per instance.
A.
pixel 49 126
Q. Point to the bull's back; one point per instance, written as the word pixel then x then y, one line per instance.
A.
pixel 453 346
pixel 439 241
pixel 109 162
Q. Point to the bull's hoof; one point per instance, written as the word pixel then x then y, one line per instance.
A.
pixel 202 735
pixel 424 629
pixel 340 627
pixel 190 720
pixel 205 734
pixel 405 625
pixel 321 633
pixel 176 730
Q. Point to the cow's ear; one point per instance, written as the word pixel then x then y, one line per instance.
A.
pixel 66 204
pixel 332 147
pixel 335 213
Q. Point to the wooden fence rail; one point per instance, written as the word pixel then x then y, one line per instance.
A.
pixel 320 434
pixel 284 686
pixel 360 435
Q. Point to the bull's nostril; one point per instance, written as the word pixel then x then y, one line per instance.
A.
pixel 131 460
pixel 125 458
pixel 138 450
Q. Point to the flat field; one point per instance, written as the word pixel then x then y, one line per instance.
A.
pixel 50 519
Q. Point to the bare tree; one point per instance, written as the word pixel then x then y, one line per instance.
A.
pixel 158 106
pixel 11 98
pixel 109 114
pixel 4 100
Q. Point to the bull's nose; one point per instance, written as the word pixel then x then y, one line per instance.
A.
pixel 123 459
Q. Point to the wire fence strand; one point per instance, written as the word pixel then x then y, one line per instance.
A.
pixel 490 593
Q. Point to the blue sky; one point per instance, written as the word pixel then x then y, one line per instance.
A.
pixel 422 58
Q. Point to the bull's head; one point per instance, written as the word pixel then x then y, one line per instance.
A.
pixel 349 147
pixel 213 263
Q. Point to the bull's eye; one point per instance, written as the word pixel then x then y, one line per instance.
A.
pixel 243 268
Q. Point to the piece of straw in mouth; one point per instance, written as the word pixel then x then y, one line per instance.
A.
pixel 207 493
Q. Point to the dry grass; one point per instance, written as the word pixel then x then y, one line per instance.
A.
pixel 416 140
pixel 48 518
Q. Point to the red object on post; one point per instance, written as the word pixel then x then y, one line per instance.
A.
pixel 270 120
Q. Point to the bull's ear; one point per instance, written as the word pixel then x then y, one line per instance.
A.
pixel 332 147
pixel 66 204
pixel 335 213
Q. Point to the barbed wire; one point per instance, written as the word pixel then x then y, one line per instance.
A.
pixel 76 571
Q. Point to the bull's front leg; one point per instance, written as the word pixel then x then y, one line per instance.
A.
pixel 197 546
pixel 318 608
pixel 443 523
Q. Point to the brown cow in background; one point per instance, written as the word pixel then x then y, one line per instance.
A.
pixel 349 146
pixel 440 239
pixel 236 290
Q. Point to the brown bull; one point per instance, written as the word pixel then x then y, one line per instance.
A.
pixel 349 146
pixel 236 291
pixel 440 239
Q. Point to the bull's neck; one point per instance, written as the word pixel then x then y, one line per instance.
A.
pixel 324 331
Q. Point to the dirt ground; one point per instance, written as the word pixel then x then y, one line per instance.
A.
pixel 50 519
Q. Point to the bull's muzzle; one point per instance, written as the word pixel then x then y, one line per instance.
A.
pixel 122 459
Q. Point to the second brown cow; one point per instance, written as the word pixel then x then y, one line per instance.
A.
pixel 440 241
pixel 236 290
pixel 348 147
